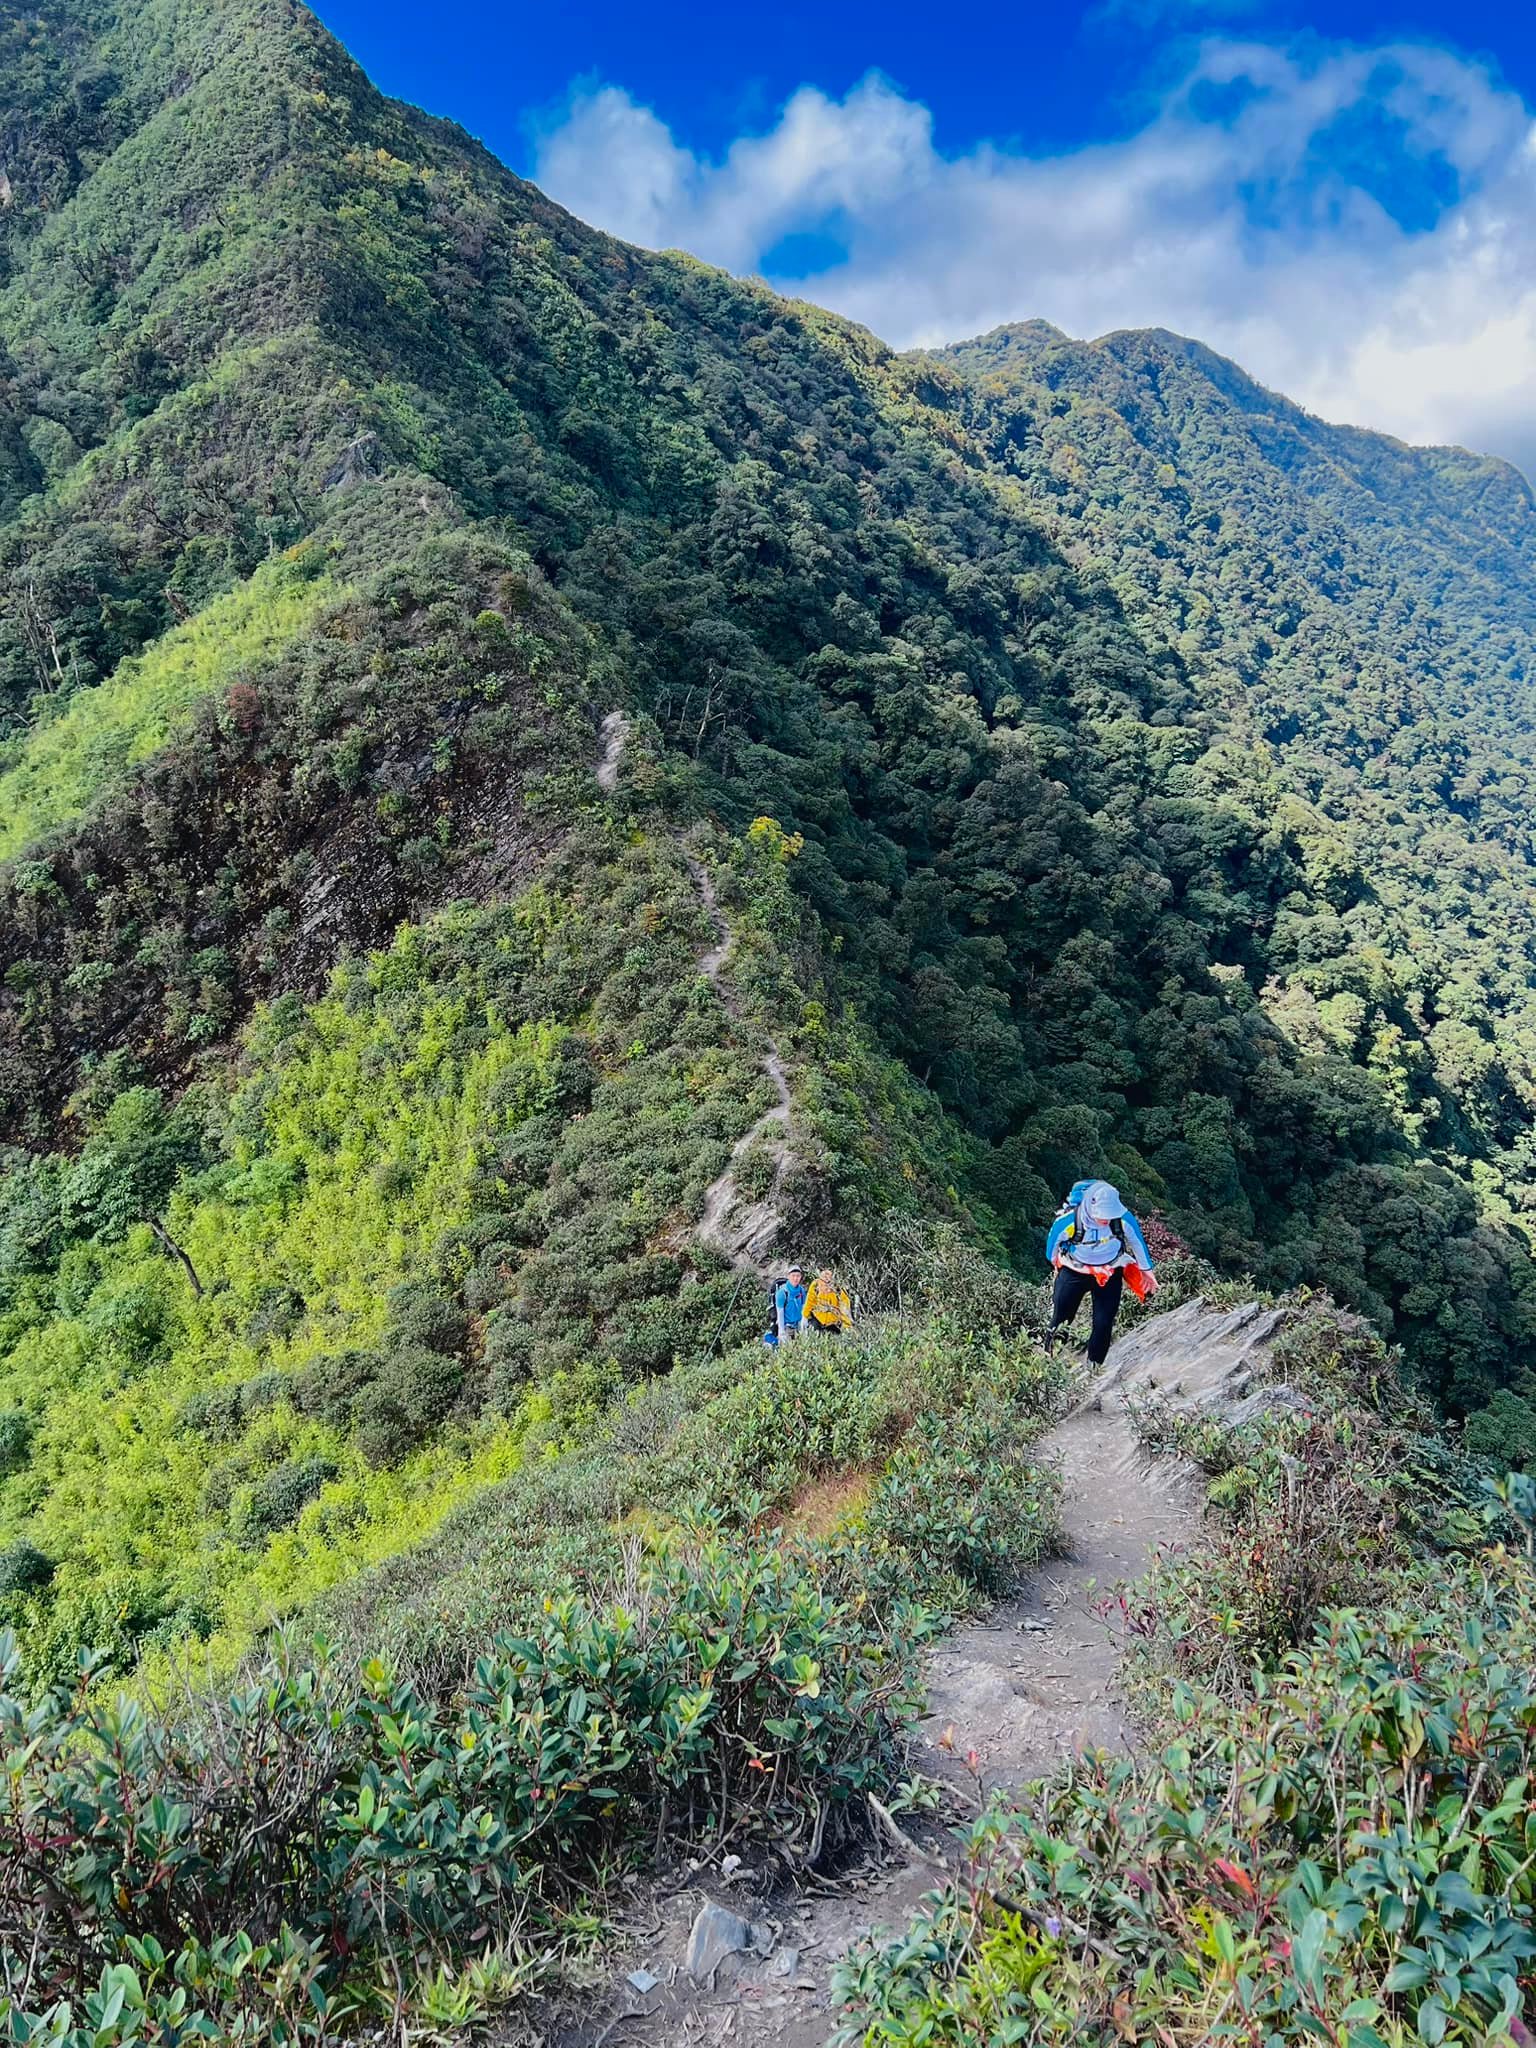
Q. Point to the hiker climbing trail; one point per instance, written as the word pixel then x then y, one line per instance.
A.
pixel 1024 1690
pixel 1035 1683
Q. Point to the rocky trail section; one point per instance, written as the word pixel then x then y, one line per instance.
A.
pixel 1199 1359
pixel 613 733
pixel 743 1229
pixel 1020 1693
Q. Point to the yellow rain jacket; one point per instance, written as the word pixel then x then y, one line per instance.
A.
pixel 828 1306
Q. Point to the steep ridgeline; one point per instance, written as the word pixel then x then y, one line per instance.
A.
pixel 365 1090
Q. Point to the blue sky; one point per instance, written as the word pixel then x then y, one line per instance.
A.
pixel 1343 196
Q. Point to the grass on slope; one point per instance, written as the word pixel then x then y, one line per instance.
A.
pixel 168 1469
pixel 52 775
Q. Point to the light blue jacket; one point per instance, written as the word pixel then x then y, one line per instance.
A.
pixel 1067 1225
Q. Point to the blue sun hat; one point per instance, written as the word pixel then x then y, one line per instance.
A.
pixel 1097 1242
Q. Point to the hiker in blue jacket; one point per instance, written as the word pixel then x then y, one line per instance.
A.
pixel 1096 1247
pixel 789 1306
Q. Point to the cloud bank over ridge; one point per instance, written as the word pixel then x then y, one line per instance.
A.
pixel 1356 226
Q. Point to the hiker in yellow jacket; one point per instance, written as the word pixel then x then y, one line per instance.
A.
pixel 827 1312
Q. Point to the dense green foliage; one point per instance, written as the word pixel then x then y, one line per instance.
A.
pixel 1035 760
pixel 739 1439
pixel 1358 614
pixel 450 1177
pixel 1309 1868
pixel 53 774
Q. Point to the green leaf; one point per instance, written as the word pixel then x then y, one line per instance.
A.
pixel 1225 1940
pixel 1407 1975
pixel 1307 1949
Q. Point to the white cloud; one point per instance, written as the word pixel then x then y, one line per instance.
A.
pixel 616 165
pixel 1357 226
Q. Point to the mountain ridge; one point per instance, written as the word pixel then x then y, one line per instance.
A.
pixel 1231 373
pixel 545 782
pixel 1028 869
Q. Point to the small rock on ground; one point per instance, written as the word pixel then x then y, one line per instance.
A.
pixel 717 1933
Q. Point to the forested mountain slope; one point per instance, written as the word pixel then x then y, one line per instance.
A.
pixel 1360 616
pixel 1372 599
pixel 348 484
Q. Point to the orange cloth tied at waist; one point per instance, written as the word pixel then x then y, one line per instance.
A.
pixel 1137 1279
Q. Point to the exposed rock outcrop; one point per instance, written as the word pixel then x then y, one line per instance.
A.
pixel 1200 1359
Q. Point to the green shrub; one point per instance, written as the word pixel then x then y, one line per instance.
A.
pixel 265 1390
pixel 810 1408
pixel 15 1440
pixel 1345 1857
pixel 1504 1432
pixel 212 1412
pixel 807 1409
pixel 1337 1357
pixel 81 1268
pixel 420 1314
pixel 135 1319
pixel 509 1347
pixel 734 1689
pixel 952 1277
pixel 1302 1519
pixel 221 1413
pixel 966 1502
pixel 283 1494
pixel 413 1393
pixel 329 1389
pixel 24 1568
pixel 219 1489
pixel 740 1435
pixel 276 1313
pixel 234 1989
pixel 491 1278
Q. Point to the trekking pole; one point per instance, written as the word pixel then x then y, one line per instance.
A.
pixel 741 1281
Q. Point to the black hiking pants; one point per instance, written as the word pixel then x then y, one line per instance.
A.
pixel 1068 1299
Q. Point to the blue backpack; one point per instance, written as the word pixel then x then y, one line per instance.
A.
pixel 1067 1224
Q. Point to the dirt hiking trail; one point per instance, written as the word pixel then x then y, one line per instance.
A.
pixel 1025 1690
pixel 744 1231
